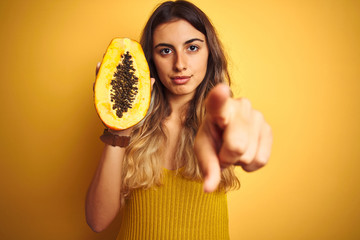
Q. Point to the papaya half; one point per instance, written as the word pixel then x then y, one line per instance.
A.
pixel 122 89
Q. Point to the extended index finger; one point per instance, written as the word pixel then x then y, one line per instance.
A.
pixel 205 151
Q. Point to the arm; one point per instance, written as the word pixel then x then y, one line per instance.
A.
pixel 103 196
pixel 103 199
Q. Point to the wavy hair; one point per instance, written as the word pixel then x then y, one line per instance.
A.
pixel 142 167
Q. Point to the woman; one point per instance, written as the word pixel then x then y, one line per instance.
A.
pixel 173 176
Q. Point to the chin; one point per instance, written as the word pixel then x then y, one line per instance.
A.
pixel 182 91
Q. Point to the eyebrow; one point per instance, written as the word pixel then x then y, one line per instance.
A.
pixel 187 42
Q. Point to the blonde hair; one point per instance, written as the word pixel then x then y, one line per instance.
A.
pixel 142 166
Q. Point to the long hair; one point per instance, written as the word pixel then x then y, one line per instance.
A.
pixel 142 167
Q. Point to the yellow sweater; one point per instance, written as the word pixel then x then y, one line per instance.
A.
pixel 179 209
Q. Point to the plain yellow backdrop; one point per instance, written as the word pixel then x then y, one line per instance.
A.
pixel 297 61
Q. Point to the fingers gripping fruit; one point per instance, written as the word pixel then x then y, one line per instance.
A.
pixel 122 88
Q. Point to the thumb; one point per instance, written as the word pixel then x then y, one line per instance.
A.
pixel 217 105
pixel 97 68
pixel 96 73
pixel 152 81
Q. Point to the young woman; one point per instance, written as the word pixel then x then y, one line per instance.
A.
pixel 173 177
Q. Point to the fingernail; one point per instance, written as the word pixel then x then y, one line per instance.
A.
pixel 208 185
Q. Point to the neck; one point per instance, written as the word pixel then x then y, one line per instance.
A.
pixel 174 125
pixel 178 104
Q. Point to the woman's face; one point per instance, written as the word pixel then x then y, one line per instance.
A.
pixel 180 55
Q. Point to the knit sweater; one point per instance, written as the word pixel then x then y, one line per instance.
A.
pixel 179 209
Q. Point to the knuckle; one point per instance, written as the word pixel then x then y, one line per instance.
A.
pixel 244 110
pixel 255 165
pixel 258 116
pixel 245 103
pixel 267 128
pixel 236 148
pixel 248 168
pixel 268 131
pixel 261 161
pixel 246 160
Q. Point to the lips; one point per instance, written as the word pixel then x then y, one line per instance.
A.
pixel 180 79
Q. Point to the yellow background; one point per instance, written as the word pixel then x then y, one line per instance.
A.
pixel 297 61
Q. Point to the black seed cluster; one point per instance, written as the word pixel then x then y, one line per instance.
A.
pixel 124 85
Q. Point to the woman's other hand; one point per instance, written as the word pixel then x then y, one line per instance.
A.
pixel 232 133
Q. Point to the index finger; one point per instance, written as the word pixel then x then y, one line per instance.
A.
pixel 209 163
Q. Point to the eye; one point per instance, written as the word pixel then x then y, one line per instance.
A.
pixel 165 51
pixel 193 48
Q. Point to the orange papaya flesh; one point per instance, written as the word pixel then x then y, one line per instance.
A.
pixel 122 89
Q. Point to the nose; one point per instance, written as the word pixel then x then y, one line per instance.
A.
pixel 180 62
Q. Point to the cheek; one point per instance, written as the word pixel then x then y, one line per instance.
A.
pixel 202 60
pixel 202 66
pixel 160 66
pixel 161 70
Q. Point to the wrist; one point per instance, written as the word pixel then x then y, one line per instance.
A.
pixel 116 138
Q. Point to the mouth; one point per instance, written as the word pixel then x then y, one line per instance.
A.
pixel 179 80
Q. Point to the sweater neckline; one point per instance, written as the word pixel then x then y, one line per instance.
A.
pixel 173 170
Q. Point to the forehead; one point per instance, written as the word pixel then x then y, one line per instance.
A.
pixel 176 32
